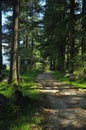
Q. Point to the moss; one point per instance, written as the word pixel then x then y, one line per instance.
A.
pixel 19 114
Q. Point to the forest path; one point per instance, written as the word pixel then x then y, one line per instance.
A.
pixel 65 107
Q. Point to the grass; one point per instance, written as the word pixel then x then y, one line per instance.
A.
pixel 76 84
pixel 6 89
pixel 21 115
pixel 29 86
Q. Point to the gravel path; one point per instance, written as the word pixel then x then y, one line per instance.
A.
pixel 65 107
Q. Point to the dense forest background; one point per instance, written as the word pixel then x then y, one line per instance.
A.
pixel 43 34
pixel 44 86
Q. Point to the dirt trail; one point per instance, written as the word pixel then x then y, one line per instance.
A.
pixel 65 106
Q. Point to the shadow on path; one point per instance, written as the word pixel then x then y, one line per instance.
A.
pixel 65 107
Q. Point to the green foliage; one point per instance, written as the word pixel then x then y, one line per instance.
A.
pixel 76 84
pixel 21 115
pixel 28 85
pixel 55 33
pixel 14 118
pixel 6 89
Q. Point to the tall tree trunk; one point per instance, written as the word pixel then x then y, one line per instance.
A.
pixel 72 39
pixel 32 45
pixel 67 65
pixel 51 62
pixel 61 54
pixel 26 41
pixel 84 27
pixel 0 36
pixel 13 63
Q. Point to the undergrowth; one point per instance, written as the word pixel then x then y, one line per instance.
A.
pixel 76 84
pixel 21 115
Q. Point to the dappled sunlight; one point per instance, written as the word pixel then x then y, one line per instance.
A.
pixel 64 118
pixel 65 106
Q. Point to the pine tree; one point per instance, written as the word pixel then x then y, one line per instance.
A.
pixel 84 27
pixel 54 26
pixel 0 36
pixel 71 37
pixel 13 62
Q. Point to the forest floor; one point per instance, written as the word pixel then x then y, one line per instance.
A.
pixel 65 106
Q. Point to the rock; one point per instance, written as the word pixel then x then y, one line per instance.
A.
pixel 67 75
pixel 72 77
pixel 5 79
pixel 34 127
pixel 37 114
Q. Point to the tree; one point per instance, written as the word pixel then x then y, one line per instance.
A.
pixel 54 23
pixel 13 62
pixel 84 27
pixel 71 35
pixel 29 29
pixel 55 39
pixel 61 33
pixel 1 36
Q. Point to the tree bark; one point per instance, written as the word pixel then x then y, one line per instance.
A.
pixel 72 39
pixel 84 27
pixel 60 54
pixel 0 36
pixel 13 63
